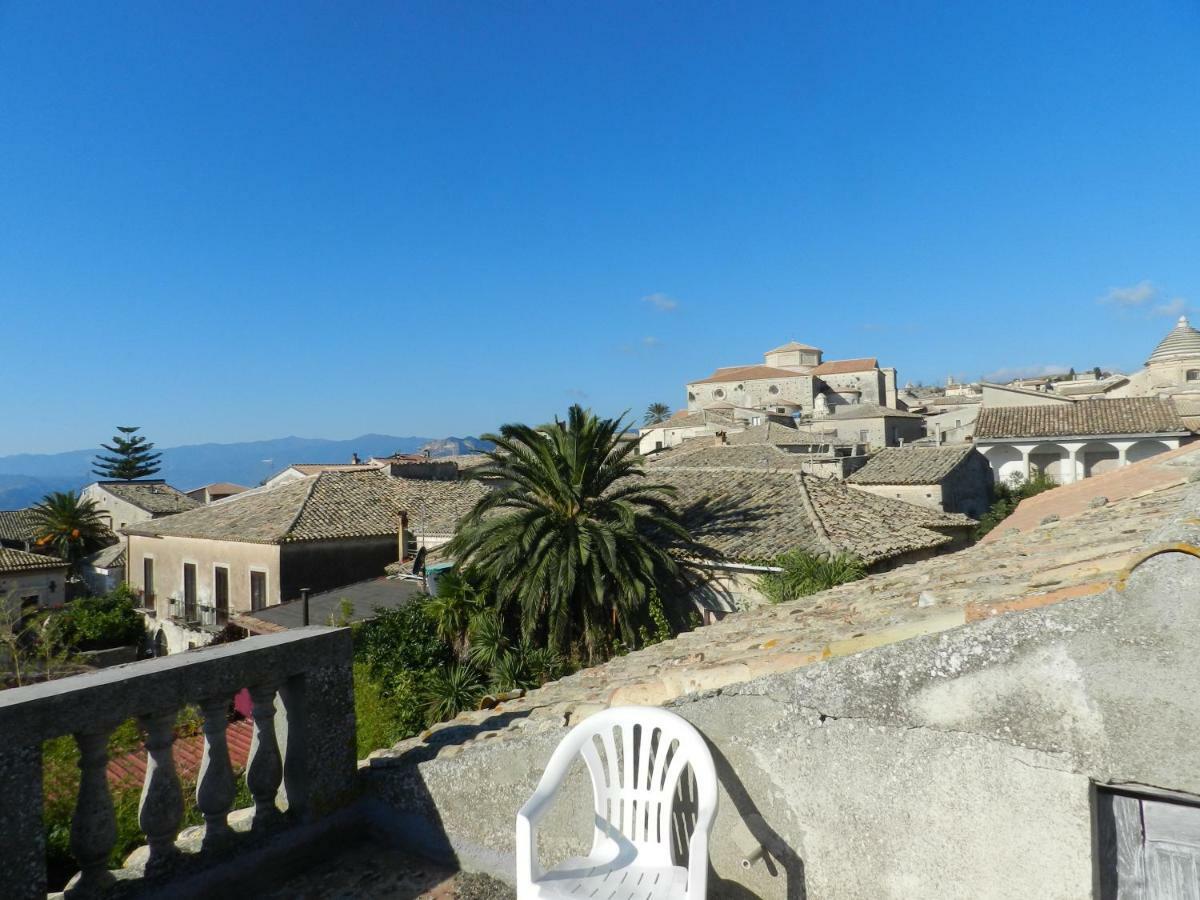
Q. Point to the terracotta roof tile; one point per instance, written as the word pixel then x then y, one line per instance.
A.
pixel 1124 415
pixel 748 515
pixel 912 465
pixel 20 561
pixel 842 366
pixel 155 497
pixel 325 506
pixel 748 373
pixel 18 525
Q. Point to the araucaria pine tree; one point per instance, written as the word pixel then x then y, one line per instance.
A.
pixel 132 456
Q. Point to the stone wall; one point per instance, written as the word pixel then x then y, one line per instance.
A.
pixel 960 764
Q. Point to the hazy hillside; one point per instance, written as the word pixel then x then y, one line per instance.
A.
pixel 26 477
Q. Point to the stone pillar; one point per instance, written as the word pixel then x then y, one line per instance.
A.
pixel 22 836
pixel 1122 450
pixel 1024 450
pixel 1072 474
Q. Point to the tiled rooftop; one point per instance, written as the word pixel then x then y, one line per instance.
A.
pixel 324 506
pixel 18 525
pixel 911 465
pixel 155 497
pixel 747 373
pixel 844 366
pixel 747 515
pixel 1124 415
pixel 20 561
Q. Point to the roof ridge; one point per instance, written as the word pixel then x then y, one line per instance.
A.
pixel 303 505
pixel 814 514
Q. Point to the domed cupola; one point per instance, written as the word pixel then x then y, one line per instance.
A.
pixel 1183 342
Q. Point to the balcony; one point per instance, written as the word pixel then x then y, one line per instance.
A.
pixel 301 766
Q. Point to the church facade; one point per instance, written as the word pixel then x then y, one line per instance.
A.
pixel 795 380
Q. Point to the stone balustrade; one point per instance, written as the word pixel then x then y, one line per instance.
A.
pixel 302 758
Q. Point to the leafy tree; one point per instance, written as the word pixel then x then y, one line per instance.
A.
pixel 575 538
pixel 656 414
pixel 95 623
pixel 69 526
pixel 132 456
pixel 807 573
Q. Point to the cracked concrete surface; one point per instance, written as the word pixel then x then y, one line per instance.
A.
pixel 958 762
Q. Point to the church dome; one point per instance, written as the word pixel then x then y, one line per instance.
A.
pixel 1183 342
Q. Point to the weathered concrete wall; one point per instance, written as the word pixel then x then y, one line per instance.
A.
pixel 955 765
pixel 323 565
pixel 17 587
pixel 170 553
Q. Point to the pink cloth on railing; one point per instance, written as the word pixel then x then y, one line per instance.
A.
pixel 241 702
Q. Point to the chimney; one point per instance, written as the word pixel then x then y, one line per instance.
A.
pixel 354 461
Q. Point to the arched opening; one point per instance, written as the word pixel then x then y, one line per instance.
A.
pixel 1049 460
pixel 1004 460
pixel 1098 457
pixel 1144 450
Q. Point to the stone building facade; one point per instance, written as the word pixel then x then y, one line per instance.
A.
pixel 792 378
pixel 122 503
pixel 954 478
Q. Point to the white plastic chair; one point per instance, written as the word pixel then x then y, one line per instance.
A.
pixel 634 796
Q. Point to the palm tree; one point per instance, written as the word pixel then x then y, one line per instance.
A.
pixel 656 414
pixel 574 538
pixel 451 690
pixel 69 526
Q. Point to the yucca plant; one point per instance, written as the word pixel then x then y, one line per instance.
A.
pixel 807 573
pixel 510 673
pixel 451 690
pixel 489 643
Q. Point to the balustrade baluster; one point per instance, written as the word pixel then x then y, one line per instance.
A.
pixel 161 809
pixel 264 773
pixel 215 787
pixel 94 826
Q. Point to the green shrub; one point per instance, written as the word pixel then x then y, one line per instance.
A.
pixel 1006 497
pixel 97 623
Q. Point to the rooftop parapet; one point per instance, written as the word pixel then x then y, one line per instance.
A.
pixel 301 766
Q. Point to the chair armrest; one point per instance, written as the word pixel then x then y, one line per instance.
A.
pixel 697 886
pixel 529 869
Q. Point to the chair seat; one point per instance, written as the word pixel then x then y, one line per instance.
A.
pixel 592 878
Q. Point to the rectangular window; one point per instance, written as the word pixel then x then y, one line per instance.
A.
pixel 258 590
pixel 862 435
pixel 221 593
pixel 148 581
pixel 189 592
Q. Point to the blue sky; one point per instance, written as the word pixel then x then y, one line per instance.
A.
pixel 227 221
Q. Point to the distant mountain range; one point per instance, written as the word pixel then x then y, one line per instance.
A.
pixel 26 477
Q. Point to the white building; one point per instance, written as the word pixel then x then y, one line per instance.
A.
pixel 1074 439
pixel 122 503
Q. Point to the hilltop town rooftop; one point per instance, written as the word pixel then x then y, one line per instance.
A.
pixel 1053 660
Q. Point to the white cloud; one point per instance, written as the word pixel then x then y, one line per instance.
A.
pixel 1177 306
pixel 661 302
pixel 1135 295
pixel 645 345
pixel 1035 370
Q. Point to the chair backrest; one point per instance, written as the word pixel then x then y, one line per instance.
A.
pixel 636 756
